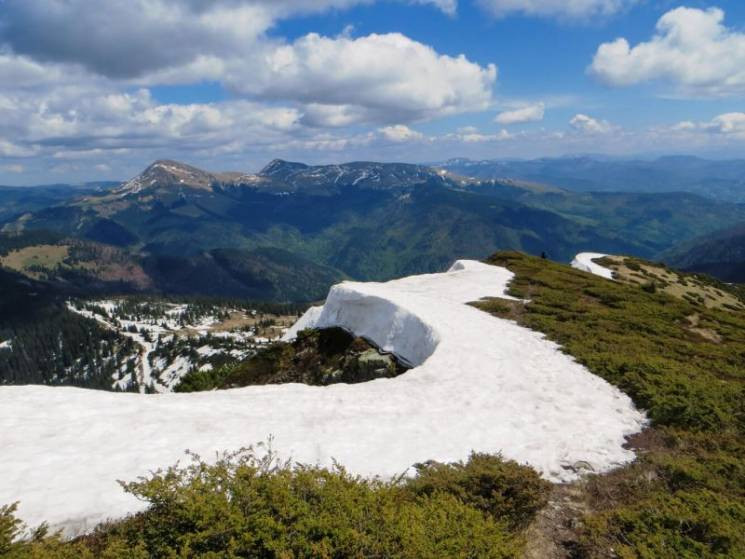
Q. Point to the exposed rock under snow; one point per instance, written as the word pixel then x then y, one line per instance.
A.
pixel 585 261
pixel 480 383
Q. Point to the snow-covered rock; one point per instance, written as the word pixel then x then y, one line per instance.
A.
pixel 585 261
pixel 478 383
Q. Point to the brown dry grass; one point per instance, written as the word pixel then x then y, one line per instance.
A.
pixel 681 286
pixel 41 256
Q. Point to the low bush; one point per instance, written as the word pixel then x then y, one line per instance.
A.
pixel 684 497
pixel 248 504
pixel 504 490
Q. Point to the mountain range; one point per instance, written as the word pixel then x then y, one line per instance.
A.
pixel 291 230
pixel 717 179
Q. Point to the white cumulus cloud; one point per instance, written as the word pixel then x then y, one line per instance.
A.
pixel 400 133
pixel 730 124
pixel 528 113
pixel 387 77
pixel 691 48
pixel 379 78
pixel 589 125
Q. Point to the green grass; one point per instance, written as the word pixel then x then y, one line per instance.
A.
pixel 686 495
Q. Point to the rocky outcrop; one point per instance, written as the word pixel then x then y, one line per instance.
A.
pixel 316 357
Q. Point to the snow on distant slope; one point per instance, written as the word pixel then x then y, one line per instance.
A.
pixel 479 383
pixel 585 261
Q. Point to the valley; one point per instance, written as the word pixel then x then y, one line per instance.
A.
pixel 50 334
pixel 290 231
pixel 174 339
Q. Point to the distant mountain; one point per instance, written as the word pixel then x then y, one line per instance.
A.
pixel 721 180
pixel 721 255
pixel 167 174
pixel 17 200
pixel 283 177
pixel 291 230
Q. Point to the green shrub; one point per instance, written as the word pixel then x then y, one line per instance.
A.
pixel 695 525
pixel 248 504
pixel 650 287
pixel 200 381
pixel 505 490
pixel 685 498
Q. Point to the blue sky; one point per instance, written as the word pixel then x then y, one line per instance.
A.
pixel 96 89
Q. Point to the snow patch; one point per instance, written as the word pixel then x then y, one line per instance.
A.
pixel 481 383
pixel 585 261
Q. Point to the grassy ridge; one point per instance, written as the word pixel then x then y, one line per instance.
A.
pixel 685 497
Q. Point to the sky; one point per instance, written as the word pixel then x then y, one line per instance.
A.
pixel 95 90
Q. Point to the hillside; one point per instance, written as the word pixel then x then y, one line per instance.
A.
pixel 688 468
pixel 721 254
pixel 43 342
pixel 84 266
pixel 52 333
pixel 16 201
pixel 185 230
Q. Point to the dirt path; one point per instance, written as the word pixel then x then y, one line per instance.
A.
pixel 553 533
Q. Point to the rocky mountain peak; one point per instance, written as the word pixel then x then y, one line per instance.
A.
pixel 281 167
pixel 165 173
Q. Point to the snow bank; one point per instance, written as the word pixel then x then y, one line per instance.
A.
pixel 585 261
pixel 306 321
pixel 480 383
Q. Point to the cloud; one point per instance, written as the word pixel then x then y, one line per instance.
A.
pixel 132 38
pixel 685 125
pixel 385 78
pixel 400 133
pixel 562 9
pixel 528 113
pixel 342 80
pixel 128 38
pixel 447 6
pixel 13 168
pixel 732 124
pixel 588 125
pixel 691 49
pixel 727 125
pixel 472 135
pixel 10 149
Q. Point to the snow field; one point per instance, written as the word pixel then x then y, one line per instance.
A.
pixel 479 383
